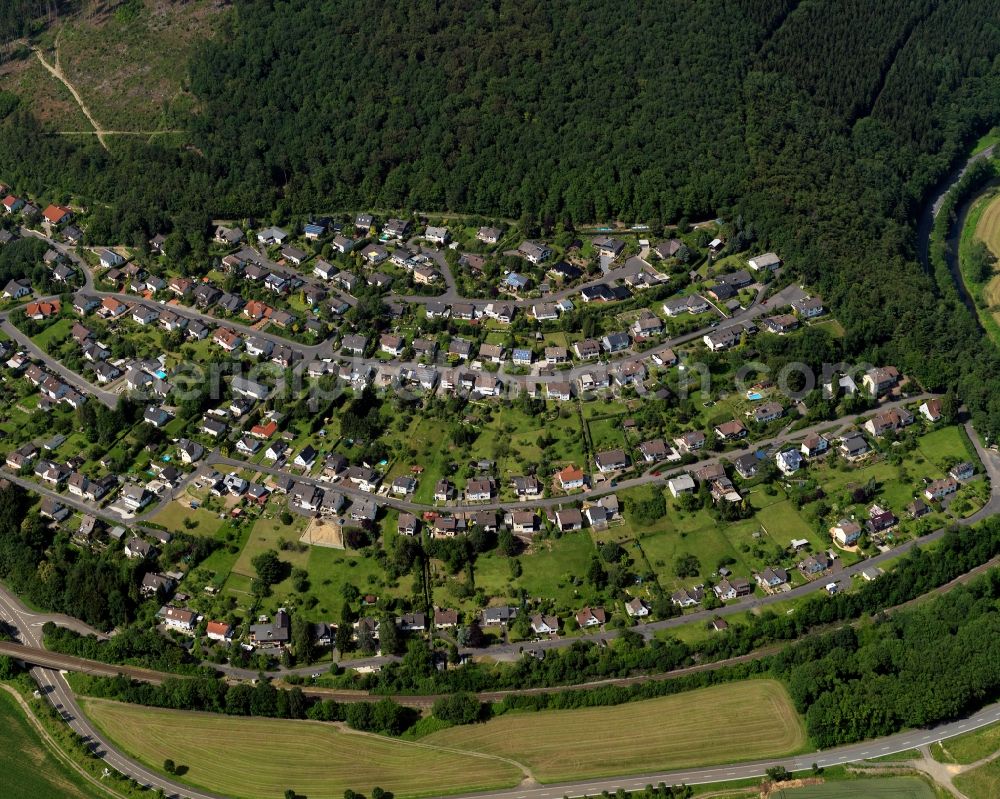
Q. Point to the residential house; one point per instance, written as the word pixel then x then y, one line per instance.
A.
pixel 730 431
pixel 780 324
pixel 939 489
pixel 611 460
pixel 888 421
pixel 654 450
pixel 16 289
pixel 815 564
pixel 722 339
pixel 489 235
pixel 814 445
pixel 570 478
pixel 498 617
pixel 691 441
pixel 587 349
pixel 853 446
pixel 180 619
pixel 879 380
pixel 544 625
pixel 555 355
pixel 569 519
pixel 789 461
pixel 637 609
pixel 523 522
pixel 809 307
pixel 846 532
pixel 533 252
pixel 732 588
pixel 647 325
pixel 931 410
pixel 767 412
pixel 771 577
pixel 766 262
pixel 682 484
pixel 688 598
pixel 615 342
pixel 747 466
pixel 962 471
pixel 691 304
pixel 608 247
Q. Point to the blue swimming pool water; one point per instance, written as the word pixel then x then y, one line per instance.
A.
pixel 754 395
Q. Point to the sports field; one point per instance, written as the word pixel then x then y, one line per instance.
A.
pixel 722 724
pixel 887 788
pixel 30 770
pixel 251 758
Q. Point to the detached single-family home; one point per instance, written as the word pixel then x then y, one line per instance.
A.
pixel 931 410
pixel 682 484
pixel 846 532
pixel 788 461
pixel 879 380
pixel 591 617
pixel 611 460
pixel 533 252
pixel 766 262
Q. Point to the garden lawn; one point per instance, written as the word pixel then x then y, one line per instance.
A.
pixel 173 515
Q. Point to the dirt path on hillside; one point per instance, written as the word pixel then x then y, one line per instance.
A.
pixel 56 72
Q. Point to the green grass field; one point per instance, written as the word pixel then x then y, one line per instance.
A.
pixel 261 758
pixel 173 516
pixel 886 788
pixel 30 769
pixel 980 783
pixel 968 748
pixel 671 732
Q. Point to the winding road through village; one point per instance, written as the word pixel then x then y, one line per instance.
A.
pixel 27 624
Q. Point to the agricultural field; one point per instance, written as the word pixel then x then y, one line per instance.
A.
pixel 261 758
pixel 560 745
pixel 980 783
pixel 882 788
pixel 30 769
pixel 988 225
pixel 982 224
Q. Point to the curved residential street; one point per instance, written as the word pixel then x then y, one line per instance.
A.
pixel 27 624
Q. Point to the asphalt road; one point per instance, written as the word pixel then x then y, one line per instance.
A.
pixel 52 684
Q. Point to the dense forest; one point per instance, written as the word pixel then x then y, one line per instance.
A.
pixel 816 129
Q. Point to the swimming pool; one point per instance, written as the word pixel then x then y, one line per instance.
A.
pixel 754 396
